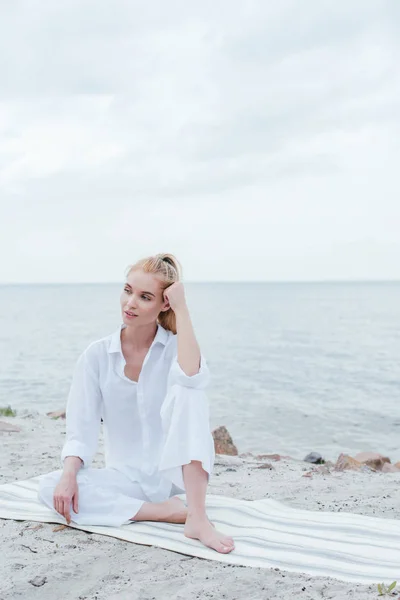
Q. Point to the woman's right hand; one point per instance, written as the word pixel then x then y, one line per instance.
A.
pixel 65 494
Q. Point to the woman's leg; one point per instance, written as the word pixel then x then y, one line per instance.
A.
pixel 106 497
pixel 187 460
pixel 172 510
pixel 197 524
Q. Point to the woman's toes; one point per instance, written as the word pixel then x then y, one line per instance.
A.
pixel 227 541
pixel 224 545
pixel 224 549
pixel 219 547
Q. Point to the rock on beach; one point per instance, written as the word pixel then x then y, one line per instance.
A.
pixel 314 458
pixel 364 461
pixel 9 427
pixel 223 442
pixel 57 414
pixel 372 459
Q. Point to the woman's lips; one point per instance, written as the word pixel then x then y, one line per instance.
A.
pixel 130 315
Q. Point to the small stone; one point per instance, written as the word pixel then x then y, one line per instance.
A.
pixel 367 469
pixel 266 466
pixel 372 460
pixel 388 468
pixel 57 414
pixel 397 464
pixel 314 458
pixel 59 528
pixel 38 581
pixel 309 474
pixel 347 463
pixel 9 427
pixel 223 442
pixel 268 457
pixel 323 469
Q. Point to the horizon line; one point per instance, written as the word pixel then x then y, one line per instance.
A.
pixel 216 281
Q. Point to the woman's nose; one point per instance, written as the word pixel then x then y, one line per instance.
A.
pixel 132 301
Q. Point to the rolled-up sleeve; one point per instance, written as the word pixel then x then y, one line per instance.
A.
pixel 199 381
pixel 83 412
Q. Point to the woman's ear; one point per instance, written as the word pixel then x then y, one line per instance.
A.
pixel 166 305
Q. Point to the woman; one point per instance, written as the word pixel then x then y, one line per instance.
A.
pixel 146 381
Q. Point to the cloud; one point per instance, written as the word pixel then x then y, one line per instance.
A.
pixel 230 132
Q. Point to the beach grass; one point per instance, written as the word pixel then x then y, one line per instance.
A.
pixel 7 411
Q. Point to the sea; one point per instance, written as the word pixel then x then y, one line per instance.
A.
pixel 296 367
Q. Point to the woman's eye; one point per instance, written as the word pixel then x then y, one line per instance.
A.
pixel 145 297
pixel 127 290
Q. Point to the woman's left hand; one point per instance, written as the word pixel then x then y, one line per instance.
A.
pixel 175 294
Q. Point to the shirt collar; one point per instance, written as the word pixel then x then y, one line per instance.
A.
pixel 161 337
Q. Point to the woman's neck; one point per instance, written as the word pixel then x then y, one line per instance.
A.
pixel 139 337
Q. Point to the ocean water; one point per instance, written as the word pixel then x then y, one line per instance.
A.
pixel 296 367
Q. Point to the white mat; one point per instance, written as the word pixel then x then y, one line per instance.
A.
pixel 267 534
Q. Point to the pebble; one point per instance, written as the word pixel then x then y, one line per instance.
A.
pixel 314 458
pixel 38 581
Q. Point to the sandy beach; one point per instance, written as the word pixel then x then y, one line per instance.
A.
pixel 82 566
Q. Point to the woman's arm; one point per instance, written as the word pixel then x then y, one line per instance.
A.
pixel 83 424
pixel 188 348
pixel 66 491
pixel 83 414
pixel 72 464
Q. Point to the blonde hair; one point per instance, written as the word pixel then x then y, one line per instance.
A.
pixel 168 270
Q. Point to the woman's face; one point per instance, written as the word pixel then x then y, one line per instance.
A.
pixel 142 298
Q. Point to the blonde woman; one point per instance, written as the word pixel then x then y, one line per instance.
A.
pixel 147 383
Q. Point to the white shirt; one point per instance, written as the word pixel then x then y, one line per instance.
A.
pixel 133 431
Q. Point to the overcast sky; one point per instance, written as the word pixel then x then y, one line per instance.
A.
pixel 256 140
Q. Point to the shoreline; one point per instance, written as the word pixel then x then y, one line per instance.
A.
pixel 330 455
pixel 95 567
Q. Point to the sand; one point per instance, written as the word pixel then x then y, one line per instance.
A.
pixel 82 566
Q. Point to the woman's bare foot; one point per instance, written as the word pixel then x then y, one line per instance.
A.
pixel 200 528
pixel 170 511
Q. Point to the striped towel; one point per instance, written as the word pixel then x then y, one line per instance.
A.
pixel 267 534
